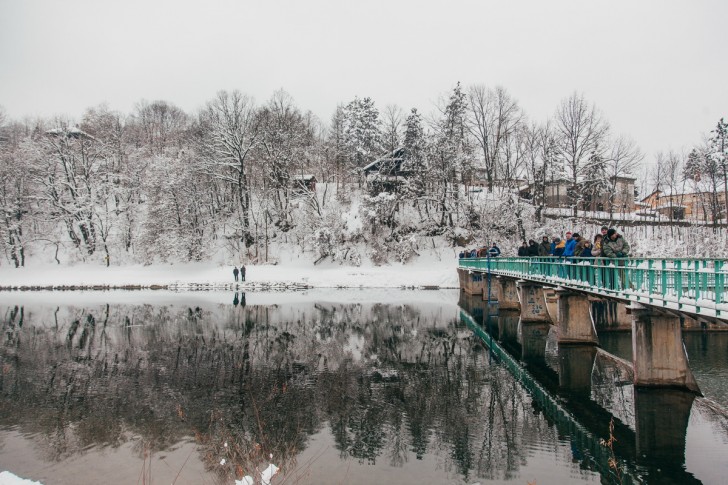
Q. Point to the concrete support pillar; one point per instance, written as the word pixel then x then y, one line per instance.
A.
pixel 533 304
pixel 658 351
pixel 508 293
pixel 610 315
pixel 575 367
pixel 470 281
pixel 533 337
pixel 661 435
pixel 462 278
pixel 552 303
pixel 491 288
pixel 574 319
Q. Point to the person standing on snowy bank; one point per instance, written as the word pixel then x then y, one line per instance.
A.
pixel 235 274
pixel 242 272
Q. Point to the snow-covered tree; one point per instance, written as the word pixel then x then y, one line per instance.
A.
pixel 493 118
pixel 391 128
pixel 415 151
pixel 451 156
pixel 595 184
pixel 160 127
pixel 16 193
pixel 581 132
pixel 362 132
pixel 229 128
pixel 622 160
pixel 69 166
pixel 718 152
pixel 282 153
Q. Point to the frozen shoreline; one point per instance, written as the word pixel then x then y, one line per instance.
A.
pixel 426 274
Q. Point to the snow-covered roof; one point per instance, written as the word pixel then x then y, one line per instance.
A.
pixel 670 206
pixel 305 177
pixel 73 132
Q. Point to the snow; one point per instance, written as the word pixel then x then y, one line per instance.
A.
pixel 427 270
pixel 7 478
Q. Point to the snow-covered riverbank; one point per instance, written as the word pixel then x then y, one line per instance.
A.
pixel 425 272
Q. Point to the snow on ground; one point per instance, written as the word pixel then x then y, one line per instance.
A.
pixel 427 270
pixel 7 478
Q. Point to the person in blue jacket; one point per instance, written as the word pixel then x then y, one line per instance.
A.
pixel 494 251
pixel 570 246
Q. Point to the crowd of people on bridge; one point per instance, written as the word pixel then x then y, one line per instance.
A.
pixel 607 244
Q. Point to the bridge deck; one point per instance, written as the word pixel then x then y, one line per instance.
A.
pixel 691 286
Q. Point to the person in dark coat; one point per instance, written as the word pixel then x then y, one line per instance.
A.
pixel 615 246
pixel 242 272
pixel 586 250
pixel 494 251
pixel 235 273
pixel 544 249
pixel 523 250
pixel 532 248
pixel 581 242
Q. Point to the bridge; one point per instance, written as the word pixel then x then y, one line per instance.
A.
pixel 652 297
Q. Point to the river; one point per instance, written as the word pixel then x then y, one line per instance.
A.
pixel 332 386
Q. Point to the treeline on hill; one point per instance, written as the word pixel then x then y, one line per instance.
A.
pixel 160 184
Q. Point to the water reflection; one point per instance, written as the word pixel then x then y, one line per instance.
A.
pixel 335 391
pixel 594 386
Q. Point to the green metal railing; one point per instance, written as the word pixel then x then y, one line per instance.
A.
pixel 693 286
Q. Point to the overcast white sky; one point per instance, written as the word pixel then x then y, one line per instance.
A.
pixel 657 69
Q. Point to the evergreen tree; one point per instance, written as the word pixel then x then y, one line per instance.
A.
pixel 718 152
pixel 595 183
pixel 362 134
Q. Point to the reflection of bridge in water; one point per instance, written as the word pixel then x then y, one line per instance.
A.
pixel 654 298
pixel 650 437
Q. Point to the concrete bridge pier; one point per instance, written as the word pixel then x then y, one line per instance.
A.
pixel 552 304
pixel 575 367
pixel 533 303
pixel 491 288
pixel 508 293
pixel 658 351
pixel 471 282
pixel 574 319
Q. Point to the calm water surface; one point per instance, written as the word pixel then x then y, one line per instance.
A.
pixel 339 387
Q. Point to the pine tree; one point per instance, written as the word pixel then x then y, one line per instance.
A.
pixel 362 134
pixel 718 152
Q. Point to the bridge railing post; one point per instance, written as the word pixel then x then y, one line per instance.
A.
pixel 719 282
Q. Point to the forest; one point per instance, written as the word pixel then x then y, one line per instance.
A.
pixel 234 178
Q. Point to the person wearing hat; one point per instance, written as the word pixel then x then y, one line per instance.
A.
pixel 557 246
pixel 581 243
pixel 544 249
pixel 615 245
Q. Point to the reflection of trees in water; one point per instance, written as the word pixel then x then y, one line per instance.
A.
pixel 391 382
